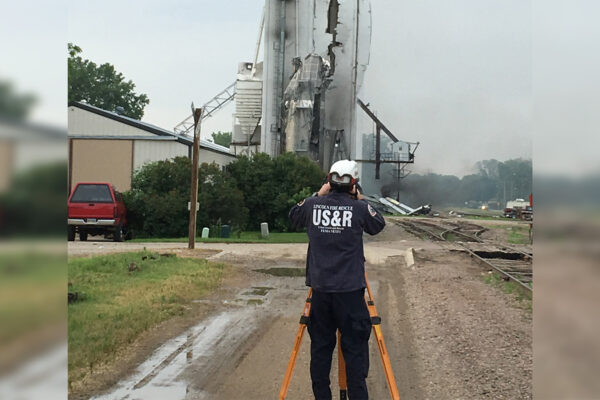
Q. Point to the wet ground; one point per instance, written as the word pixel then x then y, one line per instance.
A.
pixel 448 333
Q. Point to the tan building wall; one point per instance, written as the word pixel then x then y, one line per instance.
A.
pixel 207 156
pixel 102 160
pixel 145 151
pixel 97 154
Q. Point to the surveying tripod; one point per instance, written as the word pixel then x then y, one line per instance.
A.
pixel 376 322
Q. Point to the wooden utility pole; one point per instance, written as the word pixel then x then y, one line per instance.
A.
pixel 194 186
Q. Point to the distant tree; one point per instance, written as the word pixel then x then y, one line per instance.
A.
pixel 102 86
pixel 494 181
pixel 476 187
pixel 515 179
pixel 488 168
pixel 222 138
pixel 12 104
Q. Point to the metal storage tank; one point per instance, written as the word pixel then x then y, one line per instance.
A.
pixel 338 31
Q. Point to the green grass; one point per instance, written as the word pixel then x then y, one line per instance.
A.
pixel 244 237
pixel 451 237
pixel 119 303
pixel 518 235
pixel 522 295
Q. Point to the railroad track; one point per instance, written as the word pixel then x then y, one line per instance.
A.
pixel 514 264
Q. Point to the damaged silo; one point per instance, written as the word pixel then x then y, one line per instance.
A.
pixel 315 55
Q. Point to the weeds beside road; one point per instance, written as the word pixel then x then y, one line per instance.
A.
pixel 515 233
pixel 522 296
pixel 123 295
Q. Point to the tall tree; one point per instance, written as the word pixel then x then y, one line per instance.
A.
pixel 102 86
pixel 488 168
pixel 222 138
pixel 516 178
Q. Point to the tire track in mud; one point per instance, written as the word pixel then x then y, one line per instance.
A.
pixel 259 373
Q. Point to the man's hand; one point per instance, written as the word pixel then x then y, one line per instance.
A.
pixel 324 191
pixel 355 192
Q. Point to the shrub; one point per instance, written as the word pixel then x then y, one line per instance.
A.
pixel 252 190
pixel 160 192
pixel 272 185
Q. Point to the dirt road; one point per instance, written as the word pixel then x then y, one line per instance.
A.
pixel 449 334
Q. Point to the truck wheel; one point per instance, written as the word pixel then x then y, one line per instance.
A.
pixel 129 234
pixel 118 234
pixel 70 233
pixel 83 236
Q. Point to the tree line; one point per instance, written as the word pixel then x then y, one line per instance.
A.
pixel 494 183
pixel 257 189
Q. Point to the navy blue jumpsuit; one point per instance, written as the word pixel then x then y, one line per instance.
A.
pixel 335 270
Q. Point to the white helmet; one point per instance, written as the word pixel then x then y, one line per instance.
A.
pixel 344 172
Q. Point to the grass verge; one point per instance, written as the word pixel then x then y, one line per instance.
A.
pixel 123 295
pixel 243 237
pixel 517 233
pixel 522 295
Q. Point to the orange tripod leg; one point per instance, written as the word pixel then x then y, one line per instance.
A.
pixel 387 366
pixel 290 368
pixel 341 369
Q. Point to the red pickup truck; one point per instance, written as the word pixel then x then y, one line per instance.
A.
pixel 96 208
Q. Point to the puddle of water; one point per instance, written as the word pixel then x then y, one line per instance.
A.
pixel 258 291
pixel 160 376
pixel 278 271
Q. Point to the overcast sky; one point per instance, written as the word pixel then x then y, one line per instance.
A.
pixel 453 75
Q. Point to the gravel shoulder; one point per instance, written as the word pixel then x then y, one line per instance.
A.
pixel 474 341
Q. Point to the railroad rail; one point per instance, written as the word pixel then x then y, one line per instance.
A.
pixel 515 265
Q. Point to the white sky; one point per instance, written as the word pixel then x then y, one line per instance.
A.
pixel 174 51
pixel 455 75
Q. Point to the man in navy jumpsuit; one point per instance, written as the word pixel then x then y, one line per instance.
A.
pixel 335 218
